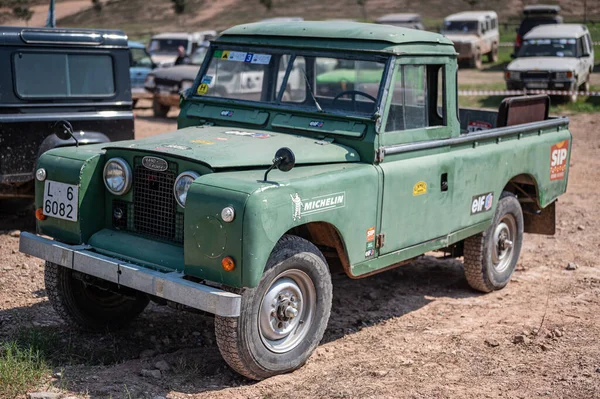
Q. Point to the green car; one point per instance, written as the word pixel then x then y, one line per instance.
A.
pixel 264 186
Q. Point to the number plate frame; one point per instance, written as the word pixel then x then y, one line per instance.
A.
pixel 61 200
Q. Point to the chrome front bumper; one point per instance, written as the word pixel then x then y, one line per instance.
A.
pixel 169 286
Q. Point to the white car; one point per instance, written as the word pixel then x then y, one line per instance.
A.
pixel 474 34
pixel 163 47
pixel 553 57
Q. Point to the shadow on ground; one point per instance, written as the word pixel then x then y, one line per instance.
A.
pixel 17 214
pixel 187 342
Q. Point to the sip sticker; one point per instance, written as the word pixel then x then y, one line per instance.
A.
pixel 202 89
pixel 558 160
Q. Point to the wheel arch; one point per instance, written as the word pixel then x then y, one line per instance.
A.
pixel 330 242
pixel 537 218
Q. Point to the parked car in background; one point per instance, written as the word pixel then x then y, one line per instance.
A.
pixel 535 15
pixel 403 20
pixel 475 34
pixel 52 78
pixel 141 65
pixel 165 84
pixel 555 57
pixel 164 46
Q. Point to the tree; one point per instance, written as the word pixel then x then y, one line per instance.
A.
pixel 472 3
pixel 21 10
pixel 97 4
pixel 268 4
pixel 179 6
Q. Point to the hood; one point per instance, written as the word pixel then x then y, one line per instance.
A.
pixel 177 73
pixel 224 147
pixel 543 64
pixel 164 60
pixel 462 38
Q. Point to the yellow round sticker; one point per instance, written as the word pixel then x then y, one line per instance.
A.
pixel 202 89
pixel 420 188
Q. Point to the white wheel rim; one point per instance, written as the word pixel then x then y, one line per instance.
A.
pixel 504 238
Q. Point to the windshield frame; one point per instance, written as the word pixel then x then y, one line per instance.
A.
pixel 293 53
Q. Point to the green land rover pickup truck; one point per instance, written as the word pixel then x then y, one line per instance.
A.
pixel 243 210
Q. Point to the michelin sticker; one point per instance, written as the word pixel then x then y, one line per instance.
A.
pixel 323 203
pixel 482 203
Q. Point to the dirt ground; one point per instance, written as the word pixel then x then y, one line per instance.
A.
pixel 417 331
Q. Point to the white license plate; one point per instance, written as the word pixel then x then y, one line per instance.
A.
pixel 537 85
pixel 60 200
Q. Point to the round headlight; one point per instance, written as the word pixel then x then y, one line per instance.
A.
pixel 117 176
pixel 182 185
pixel 228 214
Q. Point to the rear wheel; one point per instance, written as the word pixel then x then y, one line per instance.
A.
pixel 134 103
pixel 88 307
pixel 493 55
pixel 283 319
pixel 475 61
pixel 160 110
pixel 490 257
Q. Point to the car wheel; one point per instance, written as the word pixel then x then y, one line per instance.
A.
pixel 493 55
pixel 160 110
pixel 134 103
pixel 88 307
pixel 475 61
pixel 490 257
pixel 283 319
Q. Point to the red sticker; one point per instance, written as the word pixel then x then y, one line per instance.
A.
pixel 558 160
pixel 371 234
pixel 476 126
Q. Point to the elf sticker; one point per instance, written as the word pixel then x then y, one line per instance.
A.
pixel 476 126
pixel 482 203
pixel 558 160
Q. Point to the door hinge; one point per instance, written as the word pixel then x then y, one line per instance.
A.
pixel 379 240
pixel 379 154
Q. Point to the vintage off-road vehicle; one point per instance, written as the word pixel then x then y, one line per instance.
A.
pixel 243 210
pixel 74 76
pixel 475 34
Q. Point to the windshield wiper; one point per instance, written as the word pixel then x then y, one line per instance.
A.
pixel 311 91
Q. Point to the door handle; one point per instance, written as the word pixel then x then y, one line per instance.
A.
pixel 444 182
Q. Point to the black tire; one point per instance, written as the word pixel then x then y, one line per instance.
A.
pixel 492 56
pixel 134 104
pixel 243 344
pixel 475 61
pixel 160 110
pixel 87 307
pixel 480 250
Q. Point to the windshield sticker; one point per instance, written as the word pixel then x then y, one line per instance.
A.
pixel 322 203
pixel 316 124
pixel 558 160
pixel 202 89
pixel 207 79
pixel 166 147
pixel 248 134
pixel 481 203
pixel 263 59
pixel 202 142
pixel 237 56
pixel 420 188
pixel 226 112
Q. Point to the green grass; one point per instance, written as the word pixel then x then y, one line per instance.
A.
pixel 21 368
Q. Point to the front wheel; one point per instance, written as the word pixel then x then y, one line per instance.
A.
pixel 493 55
pixel 491 256
pixel 159 110
pixel 283 319
pixel 475 61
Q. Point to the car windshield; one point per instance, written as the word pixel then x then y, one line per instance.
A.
pixel 549 48
pixel 327 83
pixel 167 46
pixel 460 26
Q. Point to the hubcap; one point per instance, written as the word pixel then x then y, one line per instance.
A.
pixel 504 236
pixel 287 311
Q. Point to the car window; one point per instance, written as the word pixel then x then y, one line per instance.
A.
pixel 549 48
pixel 295 90
pixel 168 46
pixel 43 75
pixel 461 26
pixel 139 58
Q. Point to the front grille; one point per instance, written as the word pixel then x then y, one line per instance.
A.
pixel 535 75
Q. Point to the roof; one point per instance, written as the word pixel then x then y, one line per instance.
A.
pixel 350 31
pixel 557 31
pixel 63 37
pixel 471 16
pixel 172 35
pixel 401 17
pixel 541 8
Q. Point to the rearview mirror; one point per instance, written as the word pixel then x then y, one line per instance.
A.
pixel 284 161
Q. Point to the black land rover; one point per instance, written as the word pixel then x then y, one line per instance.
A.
pixel 53 75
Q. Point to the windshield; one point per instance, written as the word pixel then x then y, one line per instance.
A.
pixel 461 26
pixel 307 81
pixel 549 48
pixel 140 58
pixel 167 46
